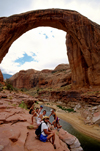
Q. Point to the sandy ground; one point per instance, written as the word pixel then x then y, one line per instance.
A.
pixel 77 122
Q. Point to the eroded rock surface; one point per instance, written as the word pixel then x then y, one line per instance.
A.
pixel 82 39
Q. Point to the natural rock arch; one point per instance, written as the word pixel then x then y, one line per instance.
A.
pixel 82 39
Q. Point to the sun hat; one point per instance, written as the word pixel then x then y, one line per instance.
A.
pixel 45 117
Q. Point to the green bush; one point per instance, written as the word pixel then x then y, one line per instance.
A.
pixel 23 105
pixel 70 110
pixel 37 91
pixel 1 87
pixel 63 108
pixel 37 102
pixel 9 87
pixel 23 89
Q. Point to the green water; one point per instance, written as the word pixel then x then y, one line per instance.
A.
pixel 87 143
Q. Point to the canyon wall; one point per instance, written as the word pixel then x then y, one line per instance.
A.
pixel 59 77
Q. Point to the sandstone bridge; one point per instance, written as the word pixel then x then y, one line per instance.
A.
pixel 82 39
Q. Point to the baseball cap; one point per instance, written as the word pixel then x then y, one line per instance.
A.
pixel 41 106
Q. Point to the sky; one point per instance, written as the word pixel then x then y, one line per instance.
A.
pixel 42 47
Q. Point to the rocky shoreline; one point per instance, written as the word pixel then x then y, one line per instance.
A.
pixel 78 122
pixel 14 134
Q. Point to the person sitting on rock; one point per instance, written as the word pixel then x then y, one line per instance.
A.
pixel 56 121
pixel 46 133
pixel 35 114
pixel 41 107
pixel 39 119
pixel 31 111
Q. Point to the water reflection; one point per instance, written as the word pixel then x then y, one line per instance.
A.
pixel 87 142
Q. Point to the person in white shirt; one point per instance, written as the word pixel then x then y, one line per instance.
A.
pixel 39 119
pixel 35 114
pixel 46 133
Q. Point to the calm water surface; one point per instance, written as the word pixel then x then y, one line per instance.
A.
pixel 87 143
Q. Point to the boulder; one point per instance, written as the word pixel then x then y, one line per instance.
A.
pixel 70 140
pixel 96 118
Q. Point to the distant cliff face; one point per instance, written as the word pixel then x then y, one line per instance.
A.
pixel 22 79
pixel 60 76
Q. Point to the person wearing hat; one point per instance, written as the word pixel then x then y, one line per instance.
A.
pixel 56 121
pixel 46 133
pixel 39 119
pixel 41 107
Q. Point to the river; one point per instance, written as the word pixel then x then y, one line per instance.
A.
pixel 87 143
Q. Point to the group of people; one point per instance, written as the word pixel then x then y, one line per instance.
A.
pixel 46 132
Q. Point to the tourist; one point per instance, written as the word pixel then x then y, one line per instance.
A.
pixel 39 119
pixel 41 107
pixel 56 120
pixel 31 111
pixel 35 114
pixel 46 133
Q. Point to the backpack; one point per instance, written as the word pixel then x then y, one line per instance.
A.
pixel 38 130
pixel 30 111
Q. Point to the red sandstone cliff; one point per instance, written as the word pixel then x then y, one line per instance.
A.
pixel 58 77
pixel 1 76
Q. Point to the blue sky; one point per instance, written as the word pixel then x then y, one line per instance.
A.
pixel 42 47
pixel 25 58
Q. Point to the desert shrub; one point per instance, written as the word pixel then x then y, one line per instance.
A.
pixel 53 71
pixel 16 90
pixel 14 105
pixel 59 106
pixel 9 85
pixel 37 91
pixel 1 86
pixel 23 105
pixel 4 88
pixel 65 109
pixel 37 102
pixel 10 97
pixel 70 110
pixel 23 89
